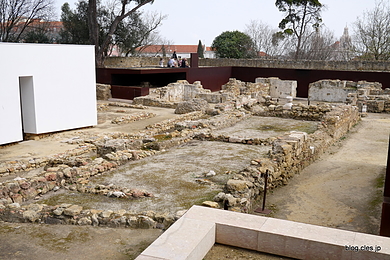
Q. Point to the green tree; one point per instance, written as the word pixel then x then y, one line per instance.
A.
pixel 106 26
pixel 137 32
pixel 37 35
pixel 118 13
pixel 75 24
pixel 200 50
pixel 300 15
pixel 233 44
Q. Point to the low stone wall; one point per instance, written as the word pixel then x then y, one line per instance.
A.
pixel 128 62
pixel 132 118
pixel 62 173
pixel 303 64
pixel 373 103
pixel 298 111
pixel 69 214
pixel 131 62
pixel 289 155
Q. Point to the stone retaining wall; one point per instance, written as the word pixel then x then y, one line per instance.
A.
pixel 128 62
pixel 131 62
pixel 302 64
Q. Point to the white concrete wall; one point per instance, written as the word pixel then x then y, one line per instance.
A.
pixel 58 89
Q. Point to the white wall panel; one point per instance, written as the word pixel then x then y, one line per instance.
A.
pixel 63 91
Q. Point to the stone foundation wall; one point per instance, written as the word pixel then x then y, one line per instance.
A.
pixel 69 214
pixel 289 155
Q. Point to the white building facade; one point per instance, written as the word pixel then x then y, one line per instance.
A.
pixel 45 88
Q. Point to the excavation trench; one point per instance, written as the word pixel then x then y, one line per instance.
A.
pixel 177 177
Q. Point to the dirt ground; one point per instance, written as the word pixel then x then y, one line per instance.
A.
pixel 36 242
pixel 342 190
pixel 54 144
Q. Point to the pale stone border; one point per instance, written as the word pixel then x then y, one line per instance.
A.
pixel 193 235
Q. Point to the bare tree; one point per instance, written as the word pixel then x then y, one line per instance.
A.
pixel 319 46
pixel 263 38
pixel 124 9
pixel 17 15
pixel 372 33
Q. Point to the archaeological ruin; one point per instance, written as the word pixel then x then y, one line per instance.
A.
pixel 214 151
pixel 236 105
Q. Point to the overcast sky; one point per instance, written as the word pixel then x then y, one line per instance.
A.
pixel 190 21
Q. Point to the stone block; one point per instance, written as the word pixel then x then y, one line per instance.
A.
pixel 73 210
pixel 30 193
pixel 375 106
pixel 210 204
pixel 236 185
pixel 236 236
pixel 177 244
pixel 192 105
pixel 103 91
pixel 280 88
pixel 31 215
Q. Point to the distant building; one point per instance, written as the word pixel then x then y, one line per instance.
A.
pixel 23 26
pixel 343 48
pixel 183 51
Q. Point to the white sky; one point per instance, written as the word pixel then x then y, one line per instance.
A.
pixel 190 21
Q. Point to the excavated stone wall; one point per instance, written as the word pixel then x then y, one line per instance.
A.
pixel 338 90
pixel 290 154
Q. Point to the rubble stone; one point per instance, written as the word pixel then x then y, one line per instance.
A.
pixel 195 104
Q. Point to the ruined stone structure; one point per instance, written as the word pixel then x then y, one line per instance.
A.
pixel 170 95
pixel 338 90
pixel 290 153
pixel 103 91
pixel 234 93
pixel 280 88
pixel 368 96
